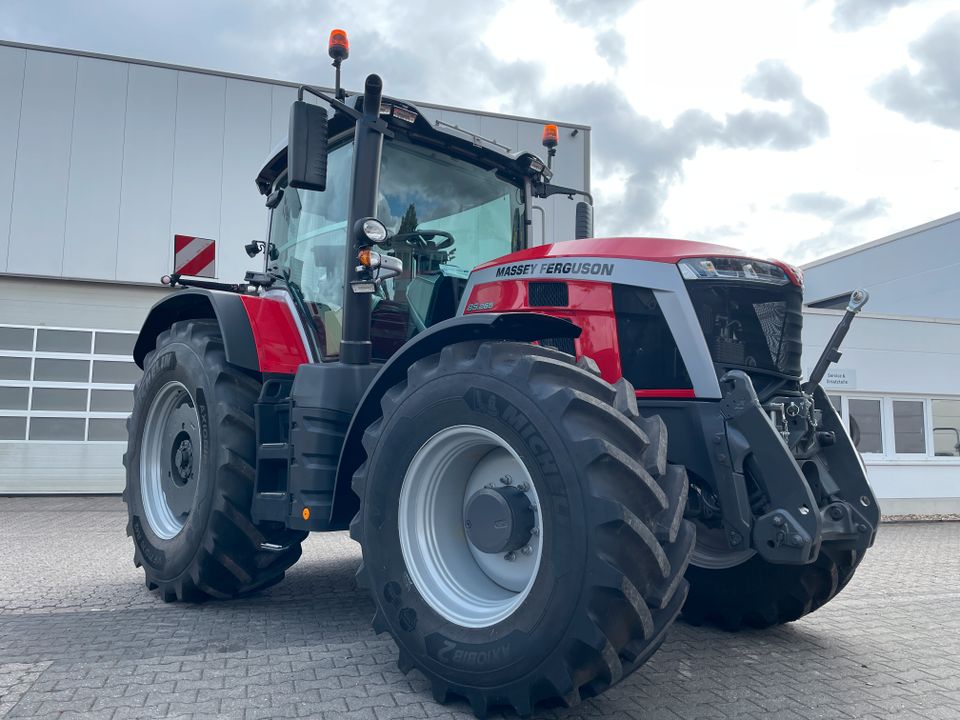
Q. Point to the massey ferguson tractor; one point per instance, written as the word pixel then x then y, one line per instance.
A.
pixel 489 417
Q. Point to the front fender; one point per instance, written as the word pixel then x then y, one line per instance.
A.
pixel 518 326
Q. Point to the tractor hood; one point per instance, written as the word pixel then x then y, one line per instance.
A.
pixel 662 250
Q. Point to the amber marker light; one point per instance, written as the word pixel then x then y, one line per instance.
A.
pixel 305 514
pixel 339 46
pixel 551 136
pixel 364 257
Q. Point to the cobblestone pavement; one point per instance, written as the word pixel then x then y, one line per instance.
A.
pixel 81 636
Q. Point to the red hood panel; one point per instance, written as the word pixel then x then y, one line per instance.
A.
pixel 663 250
pixel 636 248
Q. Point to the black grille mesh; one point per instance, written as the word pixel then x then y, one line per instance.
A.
pixel 771 316
pixel 751 325
pixel 548 294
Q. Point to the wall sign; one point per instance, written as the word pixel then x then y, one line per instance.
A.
pixel 840 378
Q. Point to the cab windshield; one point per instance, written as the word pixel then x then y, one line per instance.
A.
pixel 445 217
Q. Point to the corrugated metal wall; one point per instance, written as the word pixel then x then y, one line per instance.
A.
pixel 102 161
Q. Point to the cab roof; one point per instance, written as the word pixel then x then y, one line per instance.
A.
pixel 404 118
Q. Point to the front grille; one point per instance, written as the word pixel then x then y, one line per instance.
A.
pixel 750 325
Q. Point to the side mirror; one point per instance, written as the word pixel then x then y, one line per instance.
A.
pixel 307 147
pixel 583 225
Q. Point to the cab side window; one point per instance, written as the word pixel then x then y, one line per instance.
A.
pixel 308 232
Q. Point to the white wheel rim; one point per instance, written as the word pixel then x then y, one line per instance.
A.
pixel 170 460
pixel 464 585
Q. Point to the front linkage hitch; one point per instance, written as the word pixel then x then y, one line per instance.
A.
pixel 800 455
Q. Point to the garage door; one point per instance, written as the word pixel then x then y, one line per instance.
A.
pixel 65 394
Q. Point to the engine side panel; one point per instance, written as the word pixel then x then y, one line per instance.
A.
pixel 589 305
pixel 505 287
pixel 278 337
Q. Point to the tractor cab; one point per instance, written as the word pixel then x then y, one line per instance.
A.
pixel 448 201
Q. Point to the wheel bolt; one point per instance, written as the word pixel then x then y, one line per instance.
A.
pixel 510 556
pixel 535 532
pixel 526 551
pixel 506 480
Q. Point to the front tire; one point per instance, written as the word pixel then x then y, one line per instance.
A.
pixel 190 473
pixel 759 594
pixel 598 525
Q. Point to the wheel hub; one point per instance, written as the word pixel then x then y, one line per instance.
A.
pixel 182 458
pixel 499 520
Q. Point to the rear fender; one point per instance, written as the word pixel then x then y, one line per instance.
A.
pixel 516 326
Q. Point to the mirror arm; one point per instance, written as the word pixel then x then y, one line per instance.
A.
pixel 545 190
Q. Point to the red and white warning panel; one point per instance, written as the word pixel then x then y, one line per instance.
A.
pixel 195 256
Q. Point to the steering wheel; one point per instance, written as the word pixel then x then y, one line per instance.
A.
pixel 423 239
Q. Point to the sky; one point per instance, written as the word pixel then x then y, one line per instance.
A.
pixel 792 129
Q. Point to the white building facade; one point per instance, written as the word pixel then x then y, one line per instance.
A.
pixel 898 382
pixel 102 161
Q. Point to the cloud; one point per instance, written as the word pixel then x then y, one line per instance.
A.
pixel 612 47
pixel 820 204
pixel 855 14
pixel 587 12
pixel 651 155
pixel 807 122
pixel 835 208
pixel 843 216
pixel 822 245
pixel 868 210
pixel 932 93
pixel 717 234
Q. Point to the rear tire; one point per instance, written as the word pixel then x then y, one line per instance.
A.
pixel 759 594
pixel 612 543
pixel 192 532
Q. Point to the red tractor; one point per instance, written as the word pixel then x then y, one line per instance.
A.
pixel 489 418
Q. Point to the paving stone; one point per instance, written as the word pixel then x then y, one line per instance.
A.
pixel 80 636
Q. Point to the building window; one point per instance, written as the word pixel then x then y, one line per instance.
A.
pixel 866 428
pixel 908 435
pixel 65 384
pixel 946 427
pixel 903 430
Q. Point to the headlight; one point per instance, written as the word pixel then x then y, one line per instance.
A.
pixel 370 231
pixel 724 268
